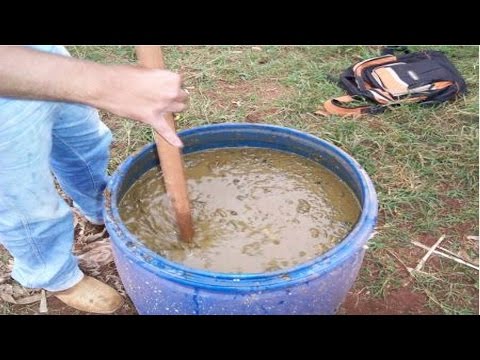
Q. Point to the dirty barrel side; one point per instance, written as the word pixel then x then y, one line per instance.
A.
pixel 159 286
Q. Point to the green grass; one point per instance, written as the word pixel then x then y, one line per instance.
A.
pixel 419 158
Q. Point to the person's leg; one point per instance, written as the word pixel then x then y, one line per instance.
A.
pixel 80 157
pixel 36 225
pixel 79 161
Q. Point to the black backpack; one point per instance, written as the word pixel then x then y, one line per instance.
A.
pixel 426 77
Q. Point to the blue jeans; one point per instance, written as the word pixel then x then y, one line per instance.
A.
pixel 38 138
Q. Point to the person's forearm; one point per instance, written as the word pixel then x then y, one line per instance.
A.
pixel 125 90
pixel 28 73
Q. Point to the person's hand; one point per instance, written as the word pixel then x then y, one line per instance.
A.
pixel 145 95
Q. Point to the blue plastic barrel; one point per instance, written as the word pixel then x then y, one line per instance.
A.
pixel 159 286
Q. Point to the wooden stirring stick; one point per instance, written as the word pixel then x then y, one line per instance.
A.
pixel 171 160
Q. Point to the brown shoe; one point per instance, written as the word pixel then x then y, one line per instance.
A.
pixel 91 295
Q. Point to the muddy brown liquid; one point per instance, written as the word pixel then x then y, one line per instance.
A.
pixel 254 210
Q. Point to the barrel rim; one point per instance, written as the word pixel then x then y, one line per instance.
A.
pixel 153 262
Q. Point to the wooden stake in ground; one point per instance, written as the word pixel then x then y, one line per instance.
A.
pixel 170 157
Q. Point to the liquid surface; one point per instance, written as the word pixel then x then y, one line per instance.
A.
pixel 254 210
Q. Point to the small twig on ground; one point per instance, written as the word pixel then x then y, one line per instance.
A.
pixel 457 255
pixel 429 252
pixel 415 273
pixel 460 261
pixel 409 269
pixel 43 303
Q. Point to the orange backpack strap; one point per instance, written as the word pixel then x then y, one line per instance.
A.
pixel 339 106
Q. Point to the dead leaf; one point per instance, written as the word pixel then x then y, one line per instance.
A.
pixel 237 52
pixel 19 291
pixel 92 238
pixel 6 289
pixel 471 237
pixel 94 272
pixel 256 48
pixel 117 284
pixel 7 298
pixel 6 292
pixel 100 254
pixel 29 299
